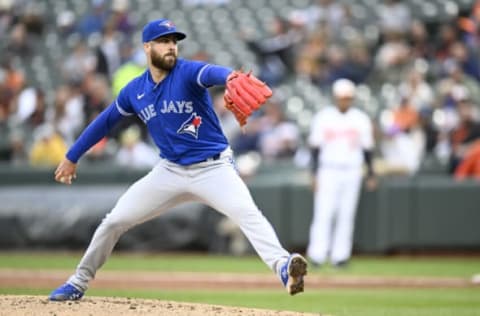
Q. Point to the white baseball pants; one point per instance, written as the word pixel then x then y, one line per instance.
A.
pixel 215 183
pixel 335 206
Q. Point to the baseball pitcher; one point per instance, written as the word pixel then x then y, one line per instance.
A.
pixel 196 164
pixel 342 140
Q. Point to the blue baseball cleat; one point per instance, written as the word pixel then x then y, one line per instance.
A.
pixel 66 292
pixel 292 273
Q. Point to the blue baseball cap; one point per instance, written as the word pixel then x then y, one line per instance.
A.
pixel 162 27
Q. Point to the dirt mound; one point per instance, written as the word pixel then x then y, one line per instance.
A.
pixel 14 305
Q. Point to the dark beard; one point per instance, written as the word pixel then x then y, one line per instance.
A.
pixel 162 62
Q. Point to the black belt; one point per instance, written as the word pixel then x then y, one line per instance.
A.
pixel 214 157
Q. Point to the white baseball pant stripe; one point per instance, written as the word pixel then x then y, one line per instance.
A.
pixel 335 206
pixel 215 183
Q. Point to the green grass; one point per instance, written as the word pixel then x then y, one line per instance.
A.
pixel 337 302
pixel 140 262
pixel 360 266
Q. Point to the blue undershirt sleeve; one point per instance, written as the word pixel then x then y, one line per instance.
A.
pixel 213 75
pixel 94 132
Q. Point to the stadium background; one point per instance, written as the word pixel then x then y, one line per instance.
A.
pixel 55 76
pixel 414 63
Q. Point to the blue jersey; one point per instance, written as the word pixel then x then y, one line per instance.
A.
pixel 177 111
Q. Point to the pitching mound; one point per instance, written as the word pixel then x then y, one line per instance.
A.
pixel 12 305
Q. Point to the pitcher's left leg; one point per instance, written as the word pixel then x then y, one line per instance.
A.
pixel 223 189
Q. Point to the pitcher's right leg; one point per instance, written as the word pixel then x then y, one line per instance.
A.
pixel 145 199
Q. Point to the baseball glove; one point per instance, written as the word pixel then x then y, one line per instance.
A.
pixel 244 94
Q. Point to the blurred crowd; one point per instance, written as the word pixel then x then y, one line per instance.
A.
pixel 425 74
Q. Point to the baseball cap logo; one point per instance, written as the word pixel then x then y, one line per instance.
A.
pixel 162 27
pixel 167 24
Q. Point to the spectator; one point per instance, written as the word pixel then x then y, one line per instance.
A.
pixel 403 142
pixel 30 109
pixel 17 42
pixel 392 58
pixel 14 80
pixel 133 67
pixel 33 19
pixel 279 138
pixel 135 153
pixel 420 42
pixel 5 147
pixel 430 131
pixel 79 63
pixel 466 59
pixel 48 148
pixel 12 140
pixel 464 136
pixel 276 52
pixel 94 21
pixel 7 18
pixel 405 116
pixel 457 81
pixel 352 62
pixel 96 90
pixel 66 23
pixel 101 59
pixel 447 36
pixel 359 63
pixel 69 115
pixel 121 18
pixel 247 141
pixel 310 63
pixel 110 48
pixel 328 13
pixel 470 165
pixel 97 94
pixel 227 120
pixel 395 17
pixel 101 151
pixel 417 90
pixel 470 25
pixel 18 147
pixel 337 64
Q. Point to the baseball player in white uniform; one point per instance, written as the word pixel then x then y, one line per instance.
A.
pixel 196 162
pixel 341 140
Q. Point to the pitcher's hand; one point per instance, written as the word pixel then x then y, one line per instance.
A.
pixel 66 172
